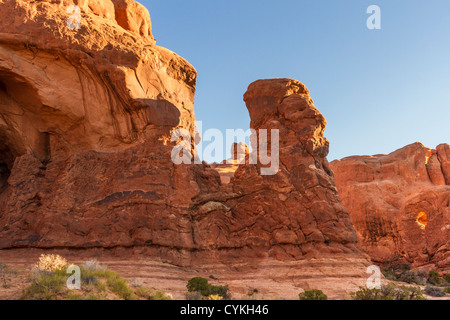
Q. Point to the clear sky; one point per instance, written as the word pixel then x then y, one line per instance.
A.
pixel 378 89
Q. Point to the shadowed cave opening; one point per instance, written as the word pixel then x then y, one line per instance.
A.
pixel 6 156
pixel 6 162
pixel 19 101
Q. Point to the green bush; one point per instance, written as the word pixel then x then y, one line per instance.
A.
pixel 45 285
pixel 201 285
pixel 118 286
pixel 433 278
pixel 222 291
pixel 198 284
pixel 447 290
pixel 446 278
pixel 389 292
pixel 313 295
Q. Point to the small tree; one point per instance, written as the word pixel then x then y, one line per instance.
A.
pixel 313 295
pixel 198 284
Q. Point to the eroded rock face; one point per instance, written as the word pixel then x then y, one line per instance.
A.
pixel 296 211
pixel 86 123
pixel 239 155
pixel 399 203
pixel 104 87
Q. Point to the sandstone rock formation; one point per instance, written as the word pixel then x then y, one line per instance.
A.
pixel 86 115
pixel 399 203
pixel 239 155
pixel 103 87
pixel 86 118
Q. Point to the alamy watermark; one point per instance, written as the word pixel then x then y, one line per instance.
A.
pixel 374 21
pixel 74 21
pixel 374 281
pixel 74 281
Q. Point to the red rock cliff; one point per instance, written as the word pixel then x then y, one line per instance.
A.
pixel 400 203
pixel 86 120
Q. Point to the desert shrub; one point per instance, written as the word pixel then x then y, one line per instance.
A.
pixel 91 272
pixel 413 276
pixel 396 264
pixel 194 295
pixel 433 278
pixel 94 265
pixel 389 292
pixel 198 284
pixel 394 268
pixel 409 293
pixel 150 294
pixel 447 290
pixel 6 274
pixel 446 278
pixel 434 291
pixel 45 285
pixel 118 285
pixel 89 279
pixel 222 291
pixel 313 295
pixel 389 275
pixel 101 286
pixel 137 283
pixel 252 292
pixel 201 285
pixel 98 283
pixel 50 262
pixel 160 295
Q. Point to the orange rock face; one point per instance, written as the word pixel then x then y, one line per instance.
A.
pixel 86 123
pixel 399 203
pixel 102 87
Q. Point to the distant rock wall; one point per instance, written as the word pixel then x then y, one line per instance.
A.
pixel 399 203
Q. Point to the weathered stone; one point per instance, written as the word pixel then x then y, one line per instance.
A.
pixel 86 123
pixel 399 203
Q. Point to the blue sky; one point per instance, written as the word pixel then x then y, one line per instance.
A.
pixel 379 89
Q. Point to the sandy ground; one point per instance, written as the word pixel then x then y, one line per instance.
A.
pixel 273 279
